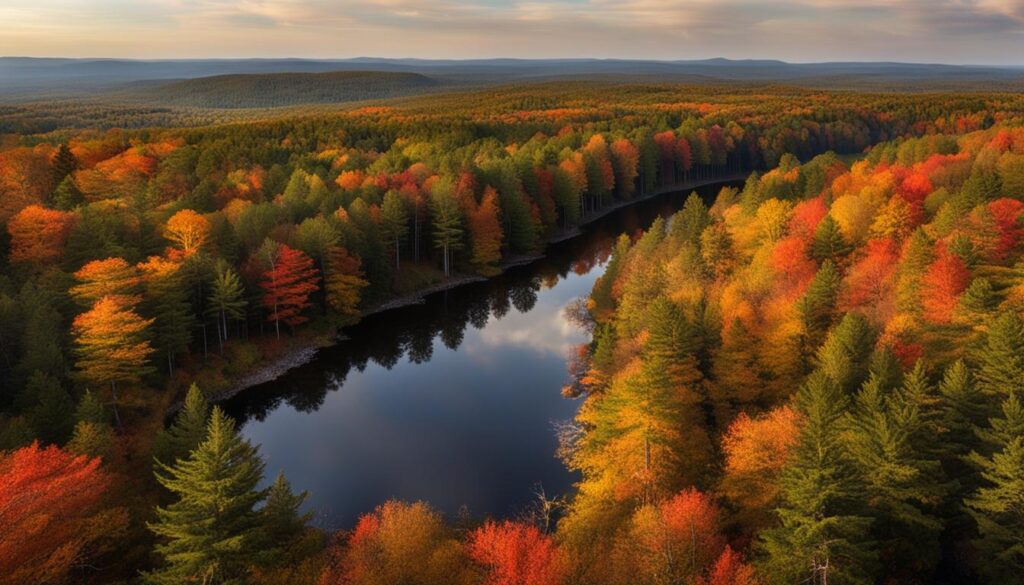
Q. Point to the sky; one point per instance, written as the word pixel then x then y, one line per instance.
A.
pixel 946 31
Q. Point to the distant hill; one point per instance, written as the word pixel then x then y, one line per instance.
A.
pixel 279 89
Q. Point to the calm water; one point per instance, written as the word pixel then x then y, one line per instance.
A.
pixel 454 402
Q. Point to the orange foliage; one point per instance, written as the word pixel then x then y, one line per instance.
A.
pixel 755 450
pixel 515 553
pixel 794 267
pixel 112 277
pixel 39 234
pixel 485 230
pixel 188 230
pixel 806 216
pixel 25 179
pixel 871 278
pixel 50 512
pixel 941 286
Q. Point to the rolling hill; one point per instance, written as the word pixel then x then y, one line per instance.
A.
pixel 280 89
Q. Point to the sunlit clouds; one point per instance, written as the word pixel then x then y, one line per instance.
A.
pixel 954 31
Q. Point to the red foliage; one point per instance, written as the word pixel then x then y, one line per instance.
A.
pixel 49 502
pixel 39 234
pixel 730 569
pixel 287 286
pixel 941 286
pixel 871 278
pixel 794 267
pixel 691 520
pixel 1007 215
pixel 806 216
pixel 514 553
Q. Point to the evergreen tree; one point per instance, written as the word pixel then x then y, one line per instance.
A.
pixel 227 300
pixel 92 440
pixel 90 409
pixel 823 537
pixel 51 413
pixel 816 310
pixel 167 301
pixel 829 242
pixel 211 534
pixel 844 357
pixel 186 432
pixel 447 224
pixel 395 222
pixel 1000 359
pixel 282 522
pixel 902 484
pixel 64 163
pixel 689 224
pixel 67 196
pixel 998 505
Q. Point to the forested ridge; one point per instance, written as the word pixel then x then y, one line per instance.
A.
pixel 763 392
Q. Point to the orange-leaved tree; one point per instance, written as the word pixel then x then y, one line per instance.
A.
pixel 188 231
pixel 485 231
pixel 51 511
pixel 111 277
pixel 38 234
pixel 516 553
pixel 344 283
pixel 288 280
pixel 111 345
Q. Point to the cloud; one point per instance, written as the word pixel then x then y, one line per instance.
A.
pixel 796 30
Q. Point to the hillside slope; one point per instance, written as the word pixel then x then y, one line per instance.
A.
pixel 281 89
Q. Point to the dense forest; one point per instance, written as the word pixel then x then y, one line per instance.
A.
pixel 812 379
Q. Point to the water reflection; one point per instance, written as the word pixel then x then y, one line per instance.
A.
pixel 453 401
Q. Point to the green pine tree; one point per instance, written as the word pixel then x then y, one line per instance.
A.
pixel 167 301
pixel 52 412
pixel 64 163
pixel 283 523
pixel 227 300
pixel 67 196
pixel 998 505
pixel 829 242
pixel 903 484
pixel 90 409
pixel 186 432
pixel 1000 359
pixel 447 224
pixel 92 439
pixel 823 535
pixel 844 357
pixel 211 534
pixel 395 222
pixel 689 224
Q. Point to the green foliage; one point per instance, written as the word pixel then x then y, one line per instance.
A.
pixel 844 355
pixel 829 242
pixel 186 432
pixel 824 535
pixel 212 532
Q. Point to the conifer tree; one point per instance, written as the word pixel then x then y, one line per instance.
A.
pixel 823 537
pixel 829 242
pixel 1000 359
pixel 844 355
pixel 447 224
pixel 282 522
pixel 166 299
pixel 998 505
pixel 902 484
pixel 689 224
pixel 227 300
pixel 51 412
pixel 816 310
pixel 395 222
pixel 67 196
pixel 211 533
pixel 186 432
pixel 64 163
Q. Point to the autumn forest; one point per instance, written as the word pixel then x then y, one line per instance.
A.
pixel 812 375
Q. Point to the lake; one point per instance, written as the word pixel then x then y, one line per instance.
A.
pixel 454 402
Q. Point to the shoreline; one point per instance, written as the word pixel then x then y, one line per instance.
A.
pixel 306 351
